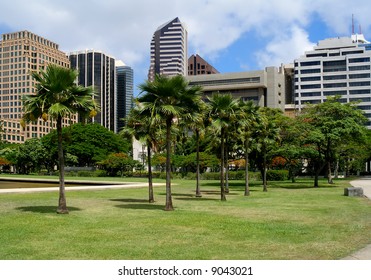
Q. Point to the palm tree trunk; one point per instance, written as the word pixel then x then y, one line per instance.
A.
pixel 227 168
pixel 151 198
pixel 198 192
pixel 62 204
pixel 247 189
pixel 222 191
pixel 265 189
pixel 169 202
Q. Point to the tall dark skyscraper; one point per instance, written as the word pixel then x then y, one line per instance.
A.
pixel 98 70
pixel 124 87
pixel 169 50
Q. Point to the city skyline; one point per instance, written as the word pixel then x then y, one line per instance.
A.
pixel 232 36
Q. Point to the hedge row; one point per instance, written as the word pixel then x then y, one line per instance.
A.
pixel 272 175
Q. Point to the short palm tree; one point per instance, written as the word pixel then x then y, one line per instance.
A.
pixel 169 99
pixel 223 108
pixel 248 120
pixel 58 97
pixel 143 128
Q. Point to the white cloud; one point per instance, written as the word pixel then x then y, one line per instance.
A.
pixel 285 48
pixel 124 28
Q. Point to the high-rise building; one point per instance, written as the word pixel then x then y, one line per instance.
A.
pixel 22 53
pixel 336 67
pixel 124 93
pixel 98 70
pixel 199 66
pixel 169 50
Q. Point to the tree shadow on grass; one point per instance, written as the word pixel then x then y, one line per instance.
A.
pixel 218 193
pixel 44 209
pixel 130 200
pixel 138 206
pixel 196 198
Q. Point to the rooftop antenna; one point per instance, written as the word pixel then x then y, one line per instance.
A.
pixel 352 24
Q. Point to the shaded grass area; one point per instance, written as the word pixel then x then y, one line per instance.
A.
pixel 290 221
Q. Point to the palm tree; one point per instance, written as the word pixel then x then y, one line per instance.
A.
pixel 197 124
pixel 58 97
pixel 249 119
pixel 142 128
pixel 267 136
pixel 168 98
pixel 223 109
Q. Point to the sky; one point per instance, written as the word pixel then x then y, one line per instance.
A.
pixel 233 35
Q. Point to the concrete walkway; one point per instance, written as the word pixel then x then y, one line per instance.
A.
pixel 81 185
pixel 365 253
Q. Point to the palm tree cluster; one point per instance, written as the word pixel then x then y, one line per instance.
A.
pixel 168 106
pixel 169 110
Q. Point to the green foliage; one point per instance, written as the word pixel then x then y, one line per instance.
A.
pixel 89 143
pixel 118 162
pixel 277 175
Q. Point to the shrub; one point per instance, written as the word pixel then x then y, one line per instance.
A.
pixel 277 175
pixel 100 173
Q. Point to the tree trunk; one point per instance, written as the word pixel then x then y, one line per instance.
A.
pixel 265 189
pixel 336 170
pixel 247 189
pixel 222 192
pixel 227 168
pixel 198 191
pixel 329 176
pixel 169 202
pixel 62 204
pixel 151 198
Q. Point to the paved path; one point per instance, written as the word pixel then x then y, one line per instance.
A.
pixel 86 185
pixel 365 253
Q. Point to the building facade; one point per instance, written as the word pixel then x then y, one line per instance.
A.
pixel 98 70
pixel 169 50
pixel 124 93
pixel 22 53
pixel 198 66
pixel 335 67
pixel 265 87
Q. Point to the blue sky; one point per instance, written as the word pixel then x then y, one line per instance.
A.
pixel 233 36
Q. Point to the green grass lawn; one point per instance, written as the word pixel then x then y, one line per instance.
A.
pixel 290 221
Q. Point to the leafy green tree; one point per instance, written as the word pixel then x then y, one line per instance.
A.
pixel 89 143
pixel 266 138
pixel 222 112
pixel 30 156
pixel 328 125
pixel 168 99
pixel 118 162
pixel 58 97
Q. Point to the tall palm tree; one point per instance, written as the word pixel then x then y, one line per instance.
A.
pixel 168 98
pixel 223 109
pixel 58 97
pixel 248 120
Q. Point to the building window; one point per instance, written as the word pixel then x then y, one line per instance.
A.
pixel 359 59
pixel 359 84
pixel 335 85
pixel 310 86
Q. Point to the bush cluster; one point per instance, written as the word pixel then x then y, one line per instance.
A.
pixel 272 175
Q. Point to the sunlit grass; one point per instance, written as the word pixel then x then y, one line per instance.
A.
pixel 290 221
